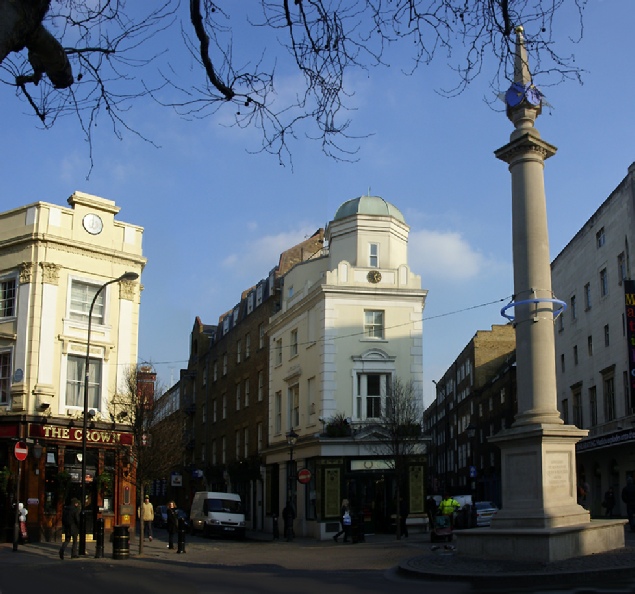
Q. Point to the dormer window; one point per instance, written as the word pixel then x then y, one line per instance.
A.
pixel 373 255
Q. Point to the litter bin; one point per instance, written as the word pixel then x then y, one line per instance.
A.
pixel 121 543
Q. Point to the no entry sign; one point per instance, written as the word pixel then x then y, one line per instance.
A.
pixel 21 451
pixel 304 476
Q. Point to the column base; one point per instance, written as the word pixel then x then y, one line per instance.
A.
pixel 543 545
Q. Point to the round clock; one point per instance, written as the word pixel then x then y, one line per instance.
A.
pixel 93 224
pixel 374 276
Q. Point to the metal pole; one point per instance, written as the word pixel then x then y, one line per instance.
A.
pixel 82 514
pixel 16 525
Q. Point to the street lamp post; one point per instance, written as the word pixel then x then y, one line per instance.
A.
pixel 292 438
pixel 128 276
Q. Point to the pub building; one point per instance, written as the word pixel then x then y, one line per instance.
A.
pixel 69 297
pixel 51 474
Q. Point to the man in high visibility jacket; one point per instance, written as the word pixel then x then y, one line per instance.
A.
pixel 448 505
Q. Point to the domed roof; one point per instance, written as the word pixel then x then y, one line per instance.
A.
pixel 368 205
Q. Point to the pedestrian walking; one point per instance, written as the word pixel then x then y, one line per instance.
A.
pixel 345 521
pixel 288 515
pixel 609 502
pixel 146 514
pixel 403 517
pixel 173 523
pixel 70 524
pixel 628 497
pixel 431 510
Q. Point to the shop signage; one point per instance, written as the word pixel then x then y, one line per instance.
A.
pixel 8 430
pixel 629 302
pixel 74 434
pixel 626 436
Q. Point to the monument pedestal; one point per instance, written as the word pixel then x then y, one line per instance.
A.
pixel 541 519
pixel 544 545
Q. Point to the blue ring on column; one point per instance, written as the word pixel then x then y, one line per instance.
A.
pixel 556 312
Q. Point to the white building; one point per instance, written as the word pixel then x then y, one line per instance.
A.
pixel 57 266
pixel 592 346
pixel 350 321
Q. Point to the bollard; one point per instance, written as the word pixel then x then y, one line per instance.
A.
pixel 181 537
pixel 99 537
pixel 121 543
pixel 276 529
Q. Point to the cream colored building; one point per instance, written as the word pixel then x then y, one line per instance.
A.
pixel 53 261
pixel 350 322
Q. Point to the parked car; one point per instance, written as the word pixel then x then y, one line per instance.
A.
pixel 160 516
pixel 485 511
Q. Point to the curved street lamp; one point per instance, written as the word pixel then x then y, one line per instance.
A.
pixel 127 276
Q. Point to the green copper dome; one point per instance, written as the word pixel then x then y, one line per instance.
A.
pixel 368 205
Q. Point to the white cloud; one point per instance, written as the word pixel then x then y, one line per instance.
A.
pixel 256 258
pixel 446 256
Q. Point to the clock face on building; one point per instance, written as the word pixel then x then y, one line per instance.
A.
pixel 374 276
pixel 93 224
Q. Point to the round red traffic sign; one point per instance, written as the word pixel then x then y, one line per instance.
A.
pixel 21 451
pixel 304 476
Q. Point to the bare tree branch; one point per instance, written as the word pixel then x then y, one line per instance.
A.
pixel 323 41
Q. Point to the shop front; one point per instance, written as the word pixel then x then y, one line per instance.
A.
pixel 51 475
pixel 368 483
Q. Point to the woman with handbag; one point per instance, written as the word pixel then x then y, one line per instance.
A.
pixel 345 521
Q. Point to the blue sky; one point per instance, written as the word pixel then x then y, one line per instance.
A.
pixel 216 217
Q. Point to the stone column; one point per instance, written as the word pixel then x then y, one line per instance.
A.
pixel 540 519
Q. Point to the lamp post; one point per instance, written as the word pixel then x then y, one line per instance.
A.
pixel 471 434
pixel 289 515
pixel 128 276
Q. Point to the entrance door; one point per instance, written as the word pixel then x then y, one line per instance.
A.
pixel 371 493
pixel 73 465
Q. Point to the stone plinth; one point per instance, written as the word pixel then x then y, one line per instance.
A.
pixel 543 545
pixel 539 477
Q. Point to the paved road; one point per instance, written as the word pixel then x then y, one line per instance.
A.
pixel 302 566
pixel 223 566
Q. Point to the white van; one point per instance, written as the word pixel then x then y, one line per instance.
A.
pixel 217 513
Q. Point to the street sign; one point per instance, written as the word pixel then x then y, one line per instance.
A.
pixel 304 476
pixel 473 472
pixel 21 451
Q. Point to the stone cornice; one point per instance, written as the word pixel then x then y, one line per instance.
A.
pixel 523 146
pixel 74 248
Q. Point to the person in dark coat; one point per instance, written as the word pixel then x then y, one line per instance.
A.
pixel 403 517
pixel 628 497
pixel 609 502
pixel 173 523
pixel 431 510
pixel 288 515
pixel 70 524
